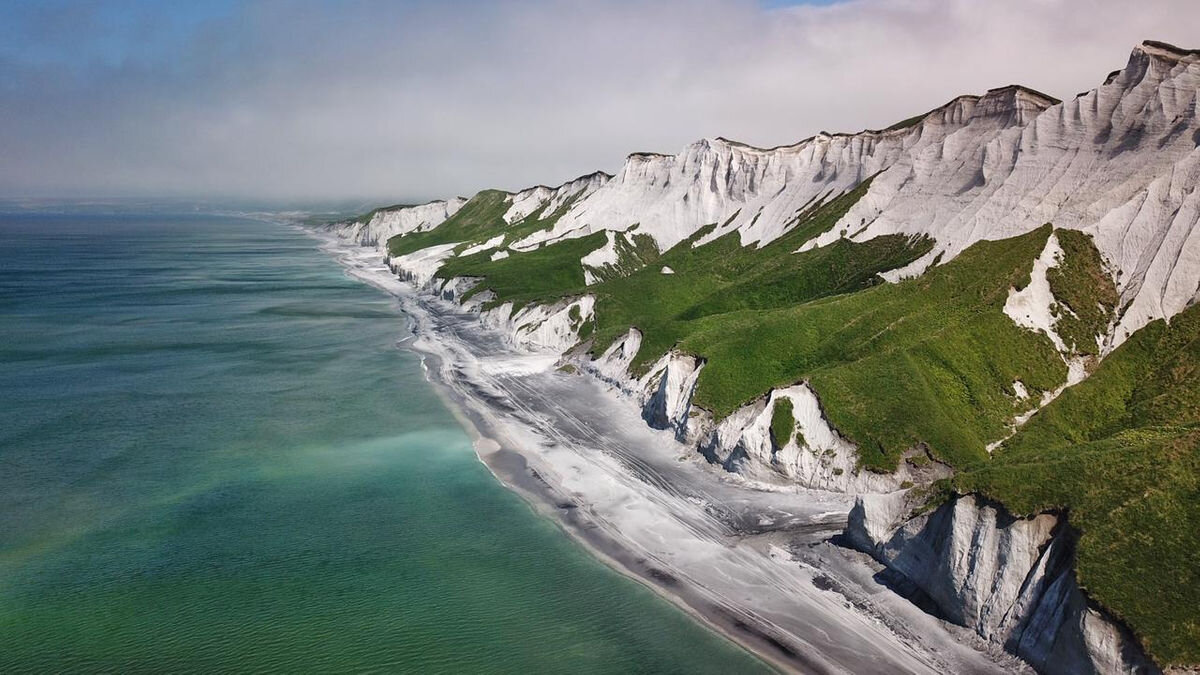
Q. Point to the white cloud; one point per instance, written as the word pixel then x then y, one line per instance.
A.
pixel 425 99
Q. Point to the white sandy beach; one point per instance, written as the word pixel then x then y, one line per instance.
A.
pixel 756 564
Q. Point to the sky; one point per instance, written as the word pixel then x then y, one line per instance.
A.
pixel 402 101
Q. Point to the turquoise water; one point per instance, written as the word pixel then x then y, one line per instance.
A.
pixel 214 458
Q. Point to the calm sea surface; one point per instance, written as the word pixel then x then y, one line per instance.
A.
pixel 213 458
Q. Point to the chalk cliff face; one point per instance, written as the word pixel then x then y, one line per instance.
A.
pixel 383 224
pixel 1011 580
pixel 544 328
pixel 387 223
pixel 816 456
pixel 1121 163
pixel 712 181
pixel 550 199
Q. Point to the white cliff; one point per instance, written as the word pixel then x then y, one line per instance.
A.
pixel 551 199
pixel 613 365
pixel 1011 580
pixel 422 266
pixel 387 223
pixel 667 394
pixel 419 267
pixel 550 328
pixel 815 456
pixel 1120 162
pixel 758 192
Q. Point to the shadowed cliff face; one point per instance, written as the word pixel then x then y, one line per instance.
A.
pixel 1011 580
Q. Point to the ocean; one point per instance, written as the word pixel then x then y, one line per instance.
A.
pixel 215 457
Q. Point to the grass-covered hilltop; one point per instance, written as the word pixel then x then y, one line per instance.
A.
pixel 1005 286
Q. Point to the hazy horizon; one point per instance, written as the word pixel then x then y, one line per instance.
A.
pixel 368 102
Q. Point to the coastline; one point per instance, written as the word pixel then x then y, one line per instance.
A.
pixel 512 471
pixel 779 589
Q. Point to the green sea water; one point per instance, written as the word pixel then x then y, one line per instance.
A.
pixel 214 458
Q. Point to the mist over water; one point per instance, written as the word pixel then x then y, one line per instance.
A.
pixel 213 457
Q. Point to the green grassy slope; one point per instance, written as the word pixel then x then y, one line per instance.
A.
pixel 634 251
pixel 930 360
pixel 719 277
pixel 723 277
pixel 538 220
pixel 1120 453
pixel 1086 294
pixel 478 220
pixel 543 274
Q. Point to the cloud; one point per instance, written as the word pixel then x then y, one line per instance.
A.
pixel 412 100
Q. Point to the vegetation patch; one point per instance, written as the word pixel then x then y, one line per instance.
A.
pixel 719 277
pixel 478 220
pixel 542 275
pixel 1084 291
pixel 539 220
pixel 723 277
pixel 634 251
pixel 1120 454
pixel 783 422
pixel 928 360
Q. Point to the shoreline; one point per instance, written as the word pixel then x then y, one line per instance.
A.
pixel 511 470
pixel 827 593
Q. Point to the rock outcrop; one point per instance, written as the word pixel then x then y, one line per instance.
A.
pixel 756 191
pixel 667 393
pixel 1011 580
pixel 815 455
pixel 384 224
pixel 551 199
pixel 541 328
